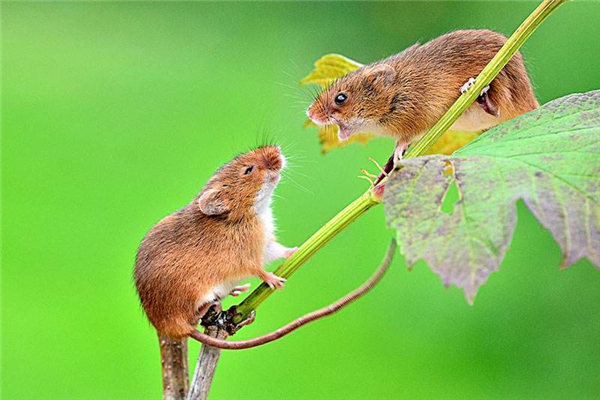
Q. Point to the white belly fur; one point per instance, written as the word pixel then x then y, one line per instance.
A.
pixel 475 119
pixel 219 292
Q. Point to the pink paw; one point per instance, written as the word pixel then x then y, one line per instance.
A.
pixel 237 290
pixel 274 281
pixel 288 252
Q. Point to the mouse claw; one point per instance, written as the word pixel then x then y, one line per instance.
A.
pixel 467 85
pixel 470 83
pixel 274 281
pixel 484 90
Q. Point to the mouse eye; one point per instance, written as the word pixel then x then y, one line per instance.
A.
pixel 248 170
pixel 340 99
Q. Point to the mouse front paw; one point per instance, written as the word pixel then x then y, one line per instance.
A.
pixel 274 281
pixel 289 252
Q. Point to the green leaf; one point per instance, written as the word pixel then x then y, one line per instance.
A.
pixel 550 158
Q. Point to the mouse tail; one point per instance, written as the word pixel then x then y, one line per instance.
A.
pixel 313 316
pixel 174 361
pixel 260 340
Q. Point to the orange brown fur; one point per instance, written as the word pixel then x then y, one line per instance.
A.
pixel 188 253
pixel 426 82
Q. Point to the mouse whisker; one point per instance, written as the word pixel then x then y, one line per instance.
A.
pixel 293 181
pixel 287 175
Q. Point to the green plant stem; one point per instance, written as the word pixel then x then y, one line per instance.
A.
pixel 327 232
pixel 373 197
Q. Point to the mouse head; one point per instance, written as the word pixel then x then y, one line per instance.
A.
pixel 243 186
pixel 356 102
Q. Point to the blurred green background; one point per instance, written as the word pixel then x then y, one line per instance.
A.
pixel 115 115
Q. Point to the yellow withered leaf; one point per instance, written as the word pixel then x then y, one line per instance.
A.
pixel 333 66
pixel 329 68
pixel 328 138
pixel 309 124
pixel 452 141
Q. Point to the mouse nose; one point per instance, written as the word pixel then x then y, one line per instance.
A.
pixel 309 114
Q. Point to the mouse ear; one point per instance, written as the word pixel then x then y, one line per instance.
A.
pixel 211 203
pixel 381 72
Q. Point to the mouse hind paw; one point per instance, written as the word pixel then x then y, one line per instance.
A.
pixel 237 290
pixel 484 99
pixel 487 105
pixel 399 150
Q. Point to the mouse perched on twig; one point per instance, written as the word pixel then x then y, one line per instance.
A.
pixel 198 255
pixel 406 94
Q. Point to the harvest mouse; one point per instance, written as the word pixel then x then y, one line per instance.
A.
pixel 198 255
pixel 193 258
pixel 406 94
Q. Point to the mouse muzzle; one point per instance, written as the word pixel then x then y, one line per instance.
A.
pixel 272 178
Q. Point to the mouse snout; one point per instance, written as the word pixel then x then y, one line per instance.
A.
pixel 320 114
pixel 274 177
pixel 272 159
pixel 275 164
pixel 316 117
